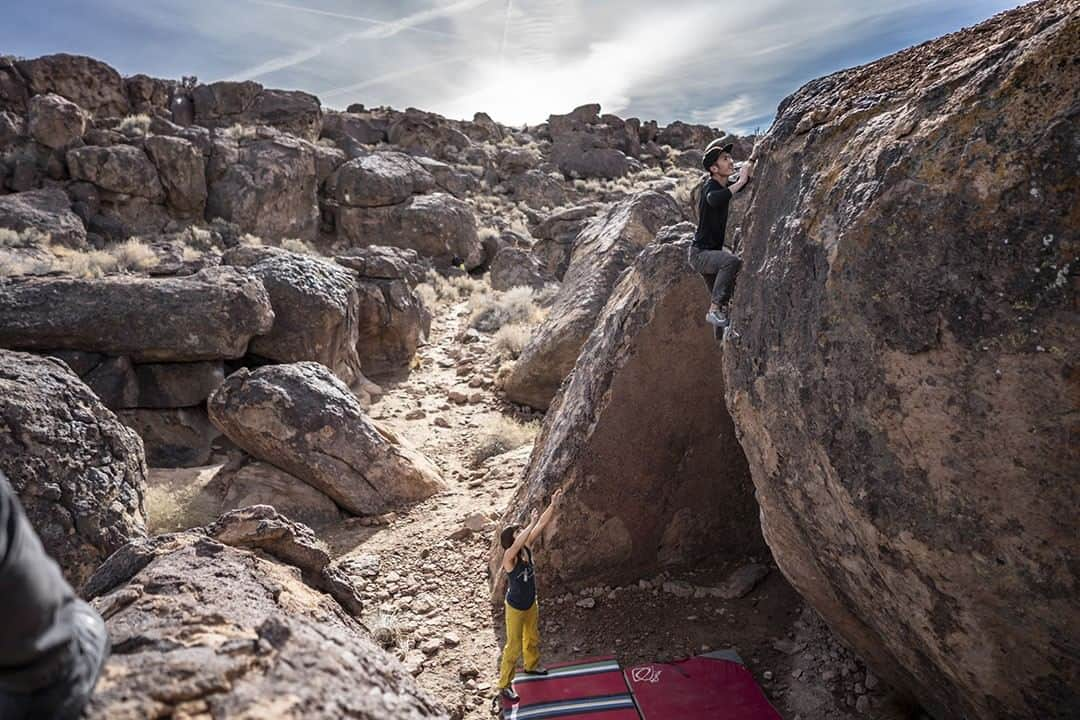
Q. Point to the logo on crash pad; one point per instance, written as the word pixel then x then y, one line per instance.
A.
pixel 647 674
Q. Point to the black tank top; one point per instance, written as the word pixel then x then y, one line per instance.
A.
pixel 521 590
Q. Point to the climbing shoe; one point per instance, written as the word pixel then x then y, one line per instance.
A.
pixel 718 318
pixel 538 670
pixel 509 695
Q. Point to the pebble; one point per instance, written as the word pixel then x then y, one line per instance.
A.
pixel 442 422
pixel 863 704
pixel 586 603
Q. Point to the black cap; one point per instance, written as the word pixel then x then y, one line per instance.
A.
pixel 713 150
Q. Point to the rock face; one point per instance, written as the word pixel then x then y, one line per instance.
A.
pixel 513 267
pixel 79 473
pixel 226 103
pixel 602 251
pixel 199 627
pixel 382 178
pixel 87 82
pixel 55 121
pixel 182 170
pixel 267 186
pixel 173 437
pixel 597 442
pixel 905 384
pixel 316 308
pixel 438 226
pixel 123 169
pixel 47 211
pixel 206 316
pixel 302 419
pixel 244 481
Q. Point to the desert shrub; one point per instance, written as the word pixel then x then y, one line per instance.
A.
pixel 177 500
pixel 489 311
pixel 297 245
pixel 242 132
pixel 385 629
pixel 249 239
pixel 427 295
pixel 135 124
pixel 133 255
pixel 487 233
pixel 501 434
pixel 28 237
pixel 511 339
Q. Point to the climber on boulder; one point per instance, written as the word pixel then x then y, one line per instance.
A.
pixel 707 253
pixel 522 609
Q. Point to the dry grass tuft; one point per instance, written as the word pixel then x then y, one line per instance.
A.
pixel 133 255
pixel 297 245
pixel 502 434
pixel 489 311
pixel 511 339
pixel 385 629
pixel 177 500
pixel 135 124
pixel 28 237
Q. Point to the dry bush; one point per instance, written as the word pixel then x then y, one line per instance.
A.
pixel 28 237
pixel 488 233
pixel 133 255
pixel 249 239
pixel 490 311
pixel 135 124
pixel 177 500
pixel 242 132
pixel 385 629
pixel 511 339
pixel 502 434
pixel 297 245
pixel 427 295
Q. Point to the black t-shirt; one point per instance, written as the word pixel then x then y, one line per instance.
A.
pixel 521 589
pixel 712 215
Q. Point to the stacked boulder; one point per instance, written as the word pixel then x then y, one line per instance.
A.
pixel 601 252
pixel 669 486
pixel 589 145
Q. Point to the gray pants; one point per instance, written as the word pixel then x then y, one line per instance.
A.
pixel 719 268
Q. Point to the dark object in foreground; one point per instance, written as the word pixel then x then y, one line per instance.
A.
pixel 52 644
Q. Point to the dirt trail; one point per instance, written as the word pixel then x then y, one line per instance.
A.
pixel 429 593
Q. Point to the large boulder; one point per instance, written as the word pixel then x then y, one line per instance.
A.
pixel 685 136
pixel 244 481
pixel 392 323
pixel 514 267
pixel 304 420
pixel 150 95
pixel 122 169
pixel 200 627
pixel 182 170
pixel 385 263
pixel 555 235
pixel 581 154
pixel 89 83
pixel 537 189
pixel 438 226
pixel 316 308
pixel 427 134
pixel 603 250
pixel 14 89
pixel 905 381
pixel 227 103
pixel 644 446
pixel 267 186
pixel 210 315
pixel 56 122
pixel 173 437
pixel 382 178
pixel 351 129
pixel 46 211
pixel 79 473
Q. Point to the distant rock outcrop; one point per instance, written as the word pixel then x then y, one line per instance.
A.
pixel 46 211
pixel 201 627
pixel 302 419
pixel 643 489
pixel 79 473
pixel 905 383
pixel 602 251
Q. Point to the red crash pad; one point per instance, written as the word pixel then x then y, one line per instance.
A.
pixel 714 686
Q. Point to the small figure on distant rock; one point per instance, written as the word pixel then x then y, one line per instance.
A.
pixel 522 611
pixel 707 254
pixel 52 643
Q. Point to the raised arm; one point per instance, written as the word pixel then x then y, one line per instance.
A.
pixel 545 518
pixel 744 176
pixel 511 553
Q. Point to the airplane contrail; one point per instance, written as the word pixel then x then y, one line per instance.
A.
pixel 382 29
pixel 394 75
pixel 506 30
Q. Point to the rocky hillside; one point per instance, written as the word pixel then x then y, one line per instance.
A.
pixel 226 310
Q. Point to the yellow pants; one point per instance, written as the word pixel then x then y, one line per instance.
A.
pixel 522 634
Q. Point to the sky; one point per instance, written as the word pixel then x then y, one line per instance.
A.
pixel 720 63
